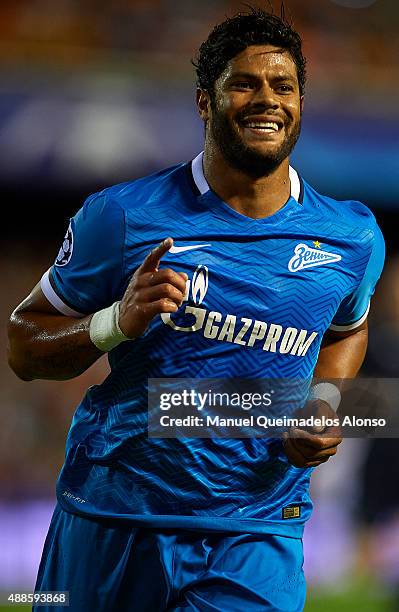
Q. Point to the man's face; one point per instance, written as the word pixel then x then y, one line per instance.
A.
pixel 254 116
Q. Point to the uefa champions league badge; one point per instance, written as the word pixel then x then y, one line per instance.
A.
pixel 65 252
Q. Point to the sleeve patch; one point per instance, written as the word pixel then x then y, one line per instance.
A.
pixel 66 250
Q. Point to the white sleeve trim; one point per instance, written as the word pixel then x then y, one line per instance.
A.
pixel 55 300
pixel 352 325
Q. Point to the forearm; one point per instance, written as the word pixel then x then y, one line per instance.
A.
pixel 340 358
pixel 51 347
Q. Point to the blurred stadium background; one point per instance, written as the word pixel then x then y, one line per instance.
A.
pixel 93 93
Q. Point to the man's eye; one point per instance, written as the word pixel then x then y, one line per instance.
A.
pixel 285 88
pixel 243 85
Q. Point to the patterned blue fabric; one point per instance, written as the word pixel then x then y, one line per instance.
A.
pixel 260 296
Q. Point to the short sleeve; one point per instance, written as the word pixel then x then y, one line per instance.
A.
pixel 88 272
pixel 354 308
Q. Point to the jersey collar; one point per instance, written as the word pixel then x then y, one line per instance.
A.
pixel 202 184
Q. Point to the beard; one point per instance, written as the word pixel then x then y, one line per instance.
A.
pixel 243 157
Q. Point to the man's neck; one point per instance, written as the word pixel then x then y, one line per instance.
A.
pixel 252 197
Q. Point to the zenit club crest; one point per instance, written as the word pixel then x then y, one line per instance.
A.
pixel 307 257
pixel 65 252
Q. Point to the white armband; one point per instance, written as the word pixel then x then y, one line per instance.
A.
pixel 104 329
pixel 327 392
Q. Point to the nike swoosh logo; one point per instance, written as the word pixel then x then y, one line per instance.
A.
pixel 176 249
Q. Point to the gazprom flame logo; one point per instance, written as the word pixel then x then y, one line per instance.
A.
pixel 198 287
pixel 199 284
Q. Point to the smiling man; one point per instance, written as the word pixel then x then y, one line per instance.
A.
pixel 265 278
pixel 250 136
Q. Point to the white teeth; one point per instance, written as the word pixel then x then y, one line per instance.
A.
pixel 263 125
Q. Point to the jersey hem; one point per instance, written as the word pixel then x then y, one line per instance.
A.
pixel 190 523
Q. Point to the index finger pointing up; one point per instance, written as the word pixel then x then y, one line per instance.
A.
pixel 151 262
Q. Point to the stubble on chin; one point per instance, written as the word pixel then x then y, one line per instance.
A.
pixel 245 158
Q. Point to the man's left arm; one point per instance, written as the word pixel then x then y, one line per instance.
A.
pixel 341 356
pixel 342 353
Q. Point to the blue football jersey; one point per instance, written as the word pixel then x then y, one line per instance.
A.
pixel 260 295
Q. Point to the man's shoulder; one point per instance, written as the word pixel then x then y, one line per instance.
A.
pixel 132 194
pixel 343 212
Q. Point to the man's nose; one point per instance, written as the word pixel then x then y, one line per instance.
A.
pixel 266 95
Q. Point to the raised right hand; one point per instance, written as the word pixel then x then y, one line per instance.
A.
pixel 150 292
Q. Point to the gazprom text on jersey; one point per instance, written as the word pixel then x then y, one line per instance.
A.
pixel 246 332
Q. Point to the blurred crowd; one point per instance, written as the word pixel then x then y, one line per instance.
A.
pixel 132 35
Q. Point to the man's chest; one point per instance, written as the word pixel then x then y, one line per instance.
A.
pixel 289 280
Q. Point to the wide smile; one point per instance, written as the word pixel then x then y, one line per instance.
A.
pixel 263 128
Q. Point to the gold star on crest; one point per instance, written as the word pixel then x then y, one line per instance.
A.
pixel 317 244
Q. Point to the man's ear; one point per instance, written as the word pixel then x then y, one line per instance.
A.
pixel 302 103
pixel 203 104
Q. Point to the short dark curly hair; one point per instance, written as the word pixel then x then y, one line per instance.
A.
pixel 229 38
